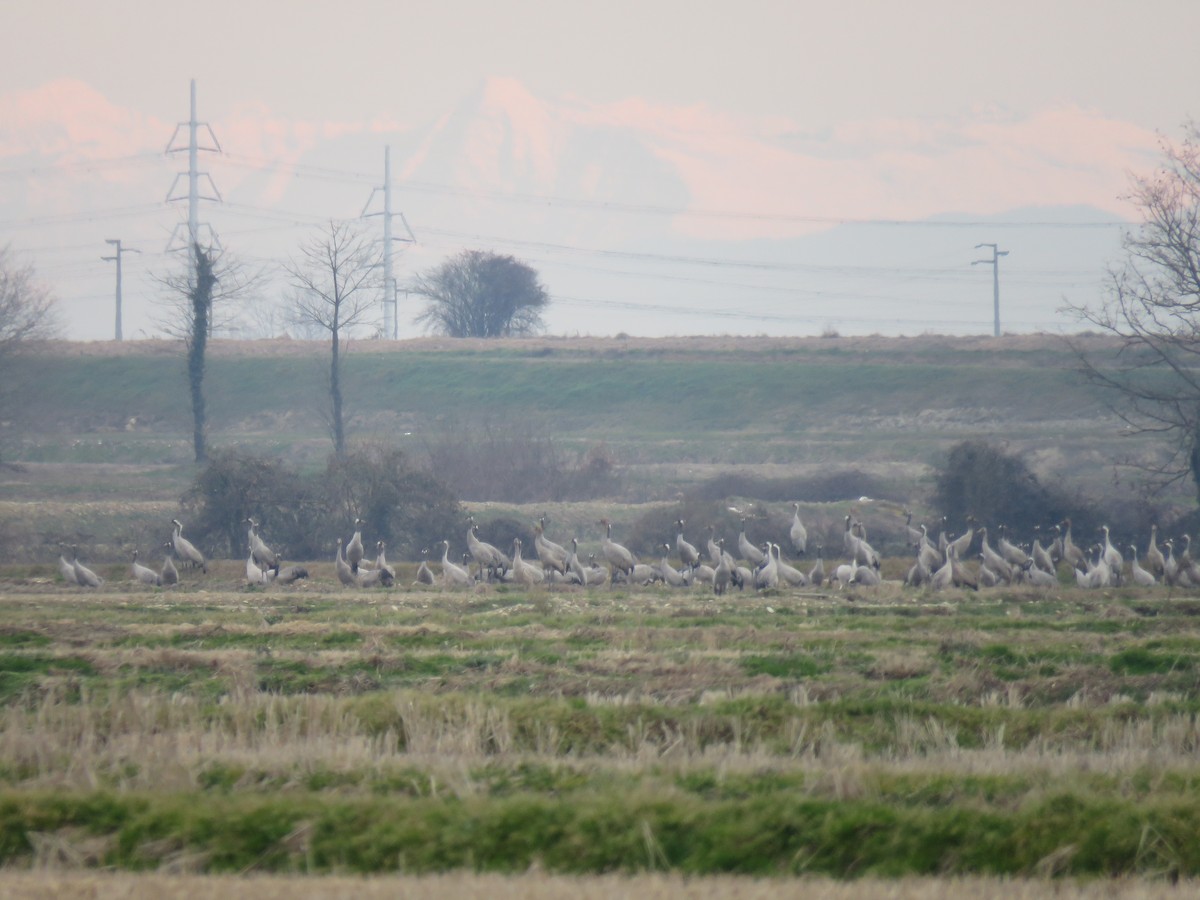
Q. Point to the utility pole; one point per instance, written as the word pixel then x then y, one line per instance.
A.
pixel 995 264
pixel 116 257
pixel 193 196
pixel 390 318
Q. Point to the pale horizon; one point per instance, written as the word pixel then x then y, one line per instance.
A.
pixel 750 168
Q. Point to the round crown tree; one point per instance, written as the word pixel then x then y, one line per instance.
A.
pixel 481 294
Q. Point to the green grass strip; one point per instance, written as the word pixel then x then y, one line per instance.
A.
pixel 764 835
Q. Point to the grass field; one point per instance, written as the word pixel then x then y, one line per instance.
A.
pixel 874 734
pixel 215 739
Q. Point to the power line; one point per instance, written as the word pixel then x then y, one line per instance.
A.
pixel 417 185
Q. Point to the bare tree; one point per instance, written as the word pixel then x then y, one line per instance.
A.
pixel 194 304
pixel 335 283
pixel 27 313
pixel 1152 307
pixel 478 294
pixel 235 287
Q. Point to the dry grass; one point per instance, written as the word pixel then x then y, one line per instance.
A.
pixel 536 886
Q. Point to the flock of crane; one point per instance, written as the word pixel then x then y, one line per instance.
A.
pixel 938 564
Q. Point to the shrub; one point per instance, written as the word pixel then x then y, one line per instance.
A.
pixel 236 485
pixel 518 463
pixel 300 517
pixel 995 487
pixel 407 508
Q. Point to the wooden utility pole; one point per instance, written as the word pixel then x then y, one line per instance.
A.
pixel 995 263
pixel 116 257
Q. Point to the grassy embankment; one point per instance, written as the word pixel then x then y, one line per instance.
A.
pixel 314 731
pixel 109 448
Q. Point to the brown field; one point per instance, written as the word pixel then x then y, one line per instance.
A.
pixel 60 886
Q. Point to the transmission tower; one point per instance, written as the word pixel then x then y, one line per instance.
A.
pixel 193 196
pixel 995 264
pixel 116 257
pixel 390 312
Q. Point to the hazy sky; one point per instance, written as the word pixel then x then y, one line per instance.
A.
pixel 774 114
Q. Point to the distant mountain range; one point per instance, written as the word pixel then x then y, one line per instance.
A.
pixel 620 208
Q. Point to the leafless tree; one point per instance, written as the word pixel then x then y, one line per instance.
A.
pixel 1152 308
pixel 478 294
pixel 235 286
pixel 194 304
pixel 27 313
pixel 335 284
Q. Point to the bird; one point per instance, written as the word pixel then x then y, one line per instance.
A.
pixel 1187 565
pixel 1112 557
pixel 767 576
pixel 857 548
pixel 995 563
pixel 816 575
pixel 453 575
pixel 263 555
pixel 721 578
pixel 962 543
pixel 1070 551
pixel 144 574
pixel 670 575
pixel 943 577
pixel 787 572
pixel 484 554
pixel 987 578
pixel 381 562
pixel 918 574
pixel 594 572
pixel 1042 557
pixel 867 576
pixel 798 533
pixel 1013 555
pixel 525 573
pixel 1154 556
pixel 255 574
pixel 574 566
pixel 749 552
pixel 713 546
pixel 618 557
pixel 424 573
pixel 688 554
pixel 186 550
pixel 1140 576
pixel 354 549
pixel 914 535
pixel 961 577
pixel 378 577
pixel 65 569
pixel 290 574
pixel 169 574
pixel 1171 573
pixel 1038 576
pixel 551 555
pixel 344 573
pixel 84 576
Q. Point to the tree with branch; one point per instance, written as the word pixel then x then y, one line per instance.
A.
pixel 197 300
pixel 335 283
pixel 478 294
pixel 27 313
pixel 27 310
pixel 1152 307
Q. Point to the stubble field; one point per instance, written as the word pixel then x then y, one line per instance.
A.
pixel 870 734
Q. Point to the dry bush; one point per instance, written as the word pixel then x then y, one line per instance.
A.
pixel 518 463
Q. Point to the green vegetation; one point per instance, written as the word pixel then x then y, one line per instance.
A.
pixel 872 734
